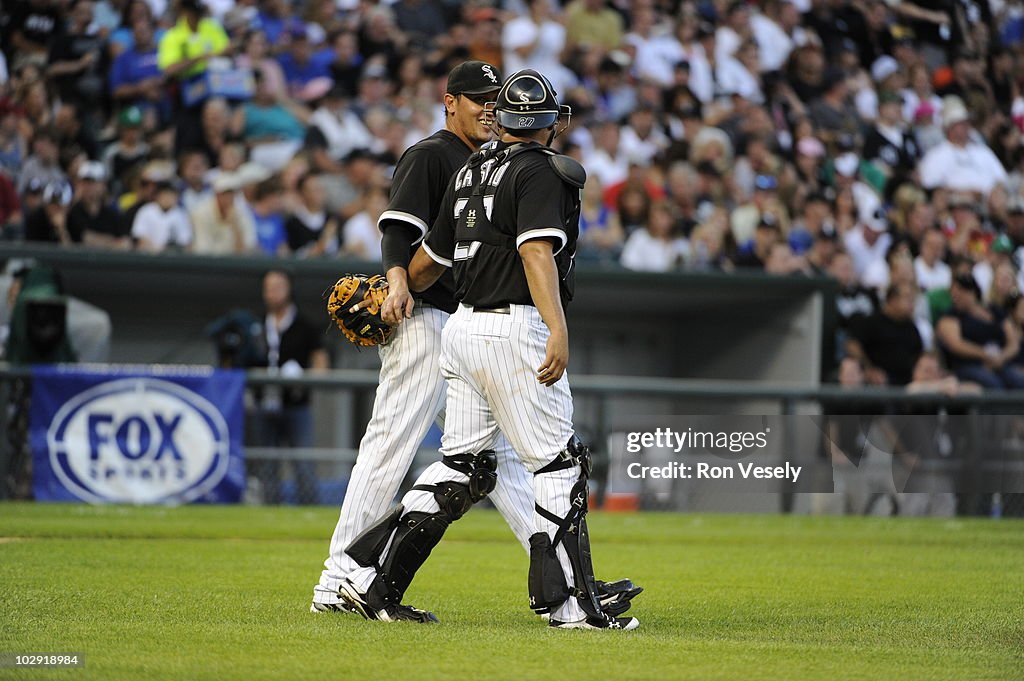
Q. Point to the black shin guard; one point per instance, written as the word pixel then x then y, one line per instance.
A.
pixel 573 534
pixel 414 535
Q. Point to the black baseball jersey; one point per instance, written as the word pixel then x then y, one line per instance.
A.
pixel 421 177
pixel 898 150
pixel 500 199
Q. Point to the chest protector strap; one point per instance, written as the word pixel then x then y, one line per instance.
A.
pixel 475 216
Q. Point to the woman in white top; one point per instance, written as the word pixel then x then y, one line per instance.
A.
pixel 656 248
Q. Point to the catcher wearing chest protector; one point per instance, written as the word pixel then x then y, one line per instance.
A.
pixel 407 330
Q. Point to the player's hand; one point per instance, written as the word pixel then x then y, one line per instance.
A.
pixel 397 306
pixel 555 360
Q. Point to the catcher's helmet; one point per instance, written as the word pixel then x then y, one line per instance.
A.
pixel 526 102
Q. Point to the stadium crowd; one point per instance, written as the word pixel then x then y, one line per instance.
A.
pixel 877 142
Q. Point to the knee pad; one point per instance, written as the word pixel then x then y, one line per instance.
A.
pixel 453 498
pixel 481 469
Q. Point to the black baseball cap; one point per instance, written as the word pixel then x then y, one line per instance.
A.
pixel 473 78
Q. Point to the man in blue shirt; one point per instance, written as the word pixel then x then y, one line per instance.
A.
pixel 301 63
pixel 136 79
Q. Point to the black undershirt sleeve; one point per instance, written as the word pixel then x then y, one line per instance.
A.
pixel 396 244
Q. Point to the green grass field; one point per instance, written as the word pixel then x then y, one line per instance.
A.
pixel 223 593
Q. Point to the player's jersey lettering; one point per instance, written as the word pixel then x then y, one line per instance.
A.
pixel 465 251
pixel 498 174
pixel 465 179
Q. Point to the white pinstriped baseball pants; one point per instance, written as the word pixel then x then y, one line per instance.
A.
pixel 410 396
pixel 490 361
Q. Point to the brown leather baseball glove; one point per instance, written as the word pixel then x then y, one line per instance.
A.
pixel 364 326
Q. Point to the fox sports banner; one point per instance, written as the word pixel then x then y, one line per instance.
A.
pixel 137 436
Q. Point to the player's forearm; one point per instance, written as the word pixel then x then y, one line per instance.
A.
pixel 423 271
pixel 398 279
pixel 542 278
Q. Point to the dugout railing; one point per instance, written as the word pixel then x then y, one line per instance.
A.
pixel 601 400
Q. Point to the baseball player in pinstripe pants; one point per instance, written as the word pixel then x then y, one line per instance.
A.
pixel 507 226
pixel 410 395
pixel 411 392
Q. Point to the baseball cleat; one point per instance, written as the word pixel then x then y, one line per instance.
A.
pixel 330 607
pixel 393 612
pixel 621 623
pixel 615 596
pixel 406 613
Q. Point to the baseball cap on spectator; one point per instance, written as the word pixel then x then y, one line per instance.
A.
pixel 158 171
pixel 765 183
pixel 817 197
pixel 953 111
pixel 92 170
pixel 769 221
pixel 57 192
pixel 609 65
pixel 252 173
pixel 883 67
pixel 810 146
pixel 846 142
pixel 847 164
pixel 165 184
pixel 473 78
pixel 620 57
pixel 705 29
pixel 130 117
pixel 375 71
pixel 1002 244
pixel 227 182
pixel 35 186
pixel 191 6
pixel 1015 206
pixel 901 35
pixel 872 216
pixel 889 97
pixel 359 154
pixel 848 45
pixel 298 32
pixel 827 232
